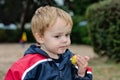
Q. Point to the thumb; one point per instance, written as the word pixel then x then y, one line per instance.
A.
pixel 87 58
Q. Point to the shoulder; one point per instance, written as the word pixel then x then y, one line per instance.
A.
pixel 68 53
pixel 24 64
pixel 29 61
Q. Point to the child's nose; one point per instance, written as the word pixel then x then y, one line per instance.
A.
pixel 64 39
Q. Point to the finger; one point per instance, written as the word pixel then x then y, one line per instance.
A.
pixel 87 58
pixel 81 60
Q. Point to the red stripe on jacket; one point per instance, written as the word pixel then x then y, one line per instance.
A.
pixel 18 68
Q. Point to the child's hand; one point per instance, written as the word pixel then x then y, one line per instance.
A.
pixel 82 63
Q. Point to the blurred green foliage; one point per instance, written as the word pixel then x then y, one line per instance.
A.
pixel 104 28
pixel 14 36
pixel 79 33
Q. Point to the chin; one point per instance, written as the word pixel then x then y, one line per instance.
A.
pixel 61 52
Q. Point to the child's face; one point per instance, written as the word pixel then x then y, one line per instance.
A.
pixel 56 39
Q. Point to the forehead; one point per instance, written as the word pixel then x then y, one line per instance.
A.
pixel 60 25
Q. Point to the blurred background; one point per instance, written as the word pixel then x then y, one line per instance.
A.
pixel 96 25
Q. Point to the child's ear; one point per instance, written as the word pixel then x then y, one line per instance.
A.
pixel 39 38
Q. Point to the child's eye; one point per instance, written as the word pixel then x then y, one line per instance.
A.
pixel 57 36
pixel 67 35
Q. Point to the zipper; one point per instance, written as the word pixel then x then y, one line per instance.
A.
pixel 60 75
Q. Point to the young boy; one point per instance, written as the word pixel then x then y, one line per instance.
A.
pixel 50 60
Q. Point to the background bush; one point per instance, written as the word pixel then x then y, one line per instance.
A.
pixel 14 36
pixel 79 33
pixel 104 28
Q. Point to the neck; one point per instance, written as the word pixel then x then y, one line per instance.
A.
pixel 51 55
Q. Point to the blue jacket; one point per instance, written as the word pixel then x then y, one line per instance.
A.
pixel 37 65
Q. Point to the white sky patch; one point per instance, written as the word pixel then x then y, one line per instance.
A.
pixel 60 2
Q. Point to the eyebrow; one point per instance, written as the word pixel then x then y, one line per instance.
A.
pixel 69 32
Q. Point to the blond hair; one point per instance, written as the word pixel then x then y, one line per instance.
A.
pixel 45 17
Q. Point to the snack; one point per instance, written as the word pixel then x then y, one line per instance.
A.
pixel 73 59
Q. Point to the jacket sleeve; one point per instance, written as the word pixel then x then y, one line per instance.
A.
pixel 14 73
pixel 88 74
